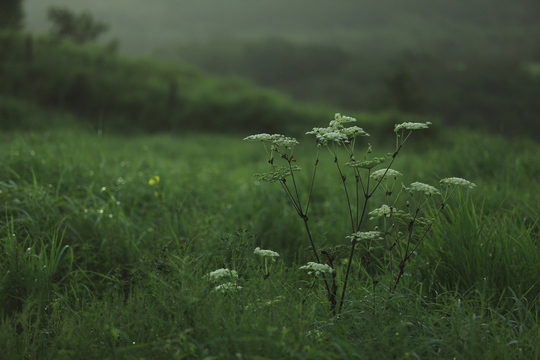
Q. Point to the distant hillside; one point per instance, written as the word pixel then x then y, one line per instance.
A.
pixel 379 27
pixel 59 82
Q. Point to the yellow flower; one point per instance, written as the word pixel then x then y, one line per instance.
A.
pixel 153 181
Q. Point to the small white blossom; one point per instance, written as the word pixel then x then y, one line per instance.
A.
pixel 276 139
pixel 336 132
pixel 365 235
pixel 227 287
pixel 336 136
pixel 384 210
pixel 259 137
pixel 426 189
pixel 458 181
pixel 221 273
pixel 317 268
pixel 379 174
pixel 317 131
pixel 411 126
pixel 354 131
pixel 268 253
pixel 339 120
pixel 285 141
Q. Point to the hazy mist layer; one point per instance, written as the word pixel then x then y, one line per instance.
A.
pixel 143 26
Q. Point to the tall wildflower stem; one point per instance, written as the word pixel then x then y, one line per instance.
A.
pixel 367 195
pixel 358 179
pixel 343 179
pixel 314 250
pixel 312 182
pixel 291 197
pixel 295 187
pixel 350 261
pixel 303 215
pixel 408 255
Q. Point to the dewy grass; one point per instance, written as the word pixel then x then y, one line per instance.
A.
pixel 391 248
pixel 133 282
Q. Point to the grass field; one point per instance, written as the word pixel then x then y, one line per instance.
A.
pixel 133 226
pixel 106 243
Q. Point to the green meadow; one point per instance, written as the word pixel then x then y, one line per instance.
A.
pixel 121 193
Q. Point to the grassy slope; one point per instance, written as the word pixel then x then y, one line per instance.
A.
pixel 141 249
pixel 143 95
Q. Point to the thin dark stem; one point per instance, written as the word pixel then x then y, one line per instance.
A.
pixel 367 195
pixel 312 182
pixel 357 176
pixel 387 168
pixel 350 259
pixel 311 287
pixel 343 178
pixel 294 183
pixel 298 208
pixel 409 255
pixel 346 276
pixel 291 198
pixel 314 249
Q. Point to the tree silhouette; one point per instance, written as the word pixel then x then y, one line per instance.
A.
pixel 80 28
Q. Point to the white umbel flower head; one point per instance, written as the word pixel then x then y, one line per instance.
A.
pixel 354 131
pixel 336 136
pixel 281 140
pixel 221 273
pixel 458 181
pixel 317 131
pixel 339 120
pixel 227 287
pixel 276 139
pixel 426 189
pixel 411 126
pixel 265 253
pixel 316 268
pixel 384 210
pixel 259 137
pixel 365 235
pixel 379 174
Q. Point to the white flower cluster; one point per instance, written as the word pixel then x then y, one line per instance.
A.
pixel 384 210
pixel 227 287
pixel 426 189
pixel 458 181
pixel 259 137
pixel 316 268
pixel 221 273
pixel 268 253
pixel 383 173
pixel 336 132
pixel 336 136
pixel 411 126
pixel 276 139
pixel 365 235
pixel 339 120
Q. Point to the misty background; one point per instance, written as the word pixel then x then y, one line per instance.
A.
pixel 471 63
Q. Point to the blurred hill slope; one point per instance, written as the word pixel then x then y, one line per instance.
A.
pixel 132 95
pixel 494 27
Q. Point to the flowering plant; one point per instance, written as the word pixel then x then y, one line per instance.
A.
pixel 266 254
pixel 399 246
